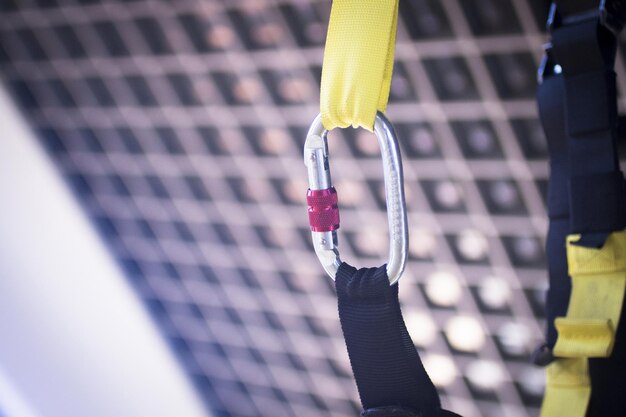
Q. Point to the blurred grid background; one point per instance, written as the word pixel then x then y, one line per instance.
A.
pixel 180 126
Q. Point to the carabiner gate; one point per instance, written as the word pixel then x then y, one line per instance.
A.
pixel 322 198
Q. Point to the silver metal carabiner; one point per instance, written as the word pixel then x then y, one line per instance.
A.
pixel 322 198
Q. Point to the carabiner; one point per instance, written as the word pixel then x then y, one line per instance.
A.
pixel 322 198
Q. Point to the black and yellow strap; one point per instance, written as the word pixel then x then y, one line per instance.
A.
pixel 577 103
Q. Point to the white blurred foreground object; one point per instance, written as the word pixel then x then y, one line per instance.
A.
pixel 74 339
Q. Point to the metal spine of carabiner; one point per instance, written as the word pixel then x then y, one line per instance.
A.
pixel 322 198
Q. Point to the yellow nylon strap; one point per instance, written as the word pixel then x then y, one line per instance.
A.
pixel 358 62
pixel 598 285
pixel 588 330
pixel 568 389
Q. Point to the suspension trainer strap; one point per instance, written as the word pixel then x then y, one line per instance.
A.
pixel 358 62
pixel 356 79
pixel 582 379
pixel 585 51
pixel 390 376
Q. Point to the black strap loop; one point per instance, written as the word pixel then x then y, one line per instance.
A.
pixel 389 374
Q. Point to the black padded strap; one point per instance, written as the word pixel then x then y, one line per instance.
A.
pixel 586 54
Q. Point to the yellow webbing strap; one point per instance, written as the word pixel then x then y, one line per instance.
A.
pixel 598 285
pixel 588 330
pixel 567 390
pixel 358 62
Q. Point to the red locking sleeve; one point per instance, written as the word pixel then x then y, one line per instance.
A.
pixel 323 210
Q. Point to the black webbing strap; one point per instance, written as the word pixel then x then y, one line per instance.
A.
pixel 389 374
pixel 551 104
pixel 585 51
